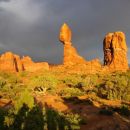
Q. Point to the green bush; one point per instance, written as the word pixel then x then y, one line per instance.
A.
pixel 3 113
pixel 2 83
pixel 10 85
pixel 123 110
pixel 79 81
pixel 34 119
pixel 71 92
pixel 61 121
pixel 73 121
pixel 43 83
pixel 74 80
pixel 106 111
pixel 24 98
pixel 115 86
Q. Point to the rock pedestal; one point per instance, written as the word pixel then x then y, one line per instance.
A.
pixel 71 55
pixel 115 51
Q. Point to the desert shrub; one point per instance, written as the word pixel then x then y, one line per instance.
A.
pixel 2 82
pixel 10 85
pixel 74 81
pixel 25 119
pixel 24 98
pixel 76 100
pixel 9 119
pixel 92 81
pixel 3 113
pixel 71 92
pixel 123 110
pixel 73 121
pixel 10 77
pixel 60 121
pixel 23 74
pixel 51 118
pixel 34 119
pixel 81 81
pixel 106 111
pixel 115 86
pixel 43 83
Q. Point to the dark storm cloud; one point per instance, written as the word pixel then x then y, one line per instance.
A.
pixel 31 27
pixel 4 0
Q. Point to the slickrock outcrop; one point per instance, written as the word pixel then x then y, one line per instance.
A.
pixel 71 55
pixel 10 62
pixel 31 66
pixel 13 63
pixel 115 51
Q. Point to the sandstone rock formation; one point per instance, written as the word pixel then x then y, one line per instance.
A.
pixel 71 55
pixel 115 57
pixel 13 63
pixel 10 62
pixel 115 51
pixel 73 61
pixel 31 66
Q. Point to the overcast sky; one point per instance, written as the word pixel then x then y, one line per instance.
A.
pixel 31 27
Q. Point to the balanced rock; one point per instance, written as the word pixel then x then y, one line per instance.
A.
pixel 115 51
pixel 71 55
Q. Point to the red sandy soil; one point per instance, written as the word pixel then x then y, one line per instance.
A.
pixel 94 120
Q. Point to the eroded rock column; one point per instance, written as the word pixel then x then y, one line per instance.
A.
pixel 115 51
pixel 71 55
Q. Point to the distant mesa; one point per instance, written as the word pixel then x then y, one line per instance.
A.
pixel 114 48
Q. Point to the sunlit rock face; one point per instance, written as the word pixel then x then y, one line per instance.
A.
pixel 115 51
pixel 13 63
pixel 71 55
pixel 115 56
pixel 10 62
pixel 65 34
pixel 71 58
pixel 31 66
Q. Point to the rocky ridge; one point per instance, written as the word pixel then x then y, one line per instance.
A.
pixel 114 48
pixel 13 63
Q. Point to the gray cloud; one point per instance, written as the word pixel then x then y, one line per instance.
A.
pixel 31 27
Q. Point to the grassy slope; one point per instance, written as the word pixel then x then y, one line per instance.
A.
pixel 75 93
